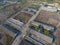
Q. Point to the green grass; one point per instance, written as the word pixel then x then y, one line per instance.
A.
pixel 35 5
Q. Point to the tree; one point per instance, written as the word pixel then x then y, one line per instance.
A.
pixel 37 28
pixel 22 1
pixel 46 32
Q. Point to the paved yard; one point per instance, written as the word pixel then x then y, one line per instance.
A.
pixel 58 37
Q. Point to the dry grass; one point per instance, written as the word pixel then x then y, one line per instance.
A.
pixel 24 17
pixel 48 17
pixel 8 11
